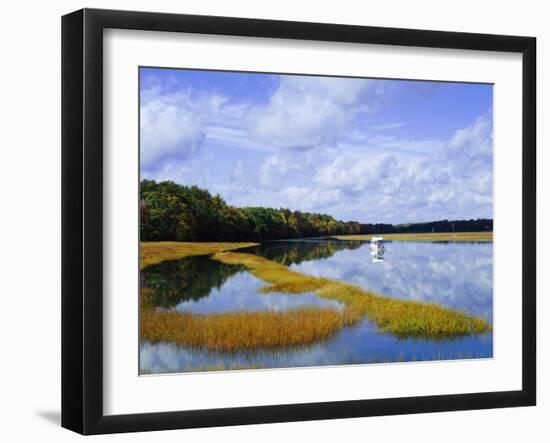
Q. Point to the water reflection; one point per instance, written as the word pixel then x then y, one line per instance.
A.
pixel 174 281
pixel 203 286
pixel 356 345
pixel 291 252
pixel 459 275
pixel 377 255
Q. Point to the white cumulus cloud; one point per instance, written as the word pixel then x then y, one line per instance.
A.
pixel 306 112
pixel 173 125
pixel 448 179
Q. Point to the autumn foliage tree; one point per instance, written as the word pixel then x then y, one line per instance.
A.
pixel 187 213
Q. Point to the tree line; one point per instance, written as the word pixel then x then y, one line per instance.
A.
pixel 472 225
pixel 188 213
pixel 173 212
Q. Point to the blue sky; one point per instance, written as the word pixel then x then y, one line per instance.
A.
pixel 369 150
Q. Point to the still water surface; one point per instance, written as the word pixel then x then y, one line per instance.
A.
pixel 457 275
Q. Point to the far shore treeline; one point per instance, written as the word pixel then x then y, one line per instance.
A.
pixel 173 212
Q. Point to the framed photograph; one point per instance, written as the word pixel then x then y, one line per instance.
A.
pixel 269 221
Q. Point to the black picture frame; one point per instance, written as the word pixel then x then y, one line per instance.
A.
pixel 82 218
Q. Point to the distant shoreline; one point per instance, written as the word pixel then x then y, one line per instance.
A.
pixel 426 236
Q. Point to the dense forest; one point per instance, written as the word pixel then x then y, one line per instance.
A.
pixel 174 212
pixel 187 213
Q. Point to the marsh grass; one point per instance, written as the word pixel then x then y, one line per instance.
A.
pixel 246 330
pixel 280 277
pixel 428 236
pixel 403 318
pixel 155 252
pixel 271 330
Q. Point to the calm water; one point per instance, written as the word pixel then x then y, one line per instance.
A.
pixel 457 275
pixel 204 286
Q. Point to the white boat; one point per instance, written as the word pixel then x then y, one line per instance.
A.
pixel 377 249
pixel 377 243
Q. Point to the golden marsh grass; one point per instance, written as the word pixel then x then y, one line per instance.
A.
pixel 246 330
pixel 155 252
pixel 399 317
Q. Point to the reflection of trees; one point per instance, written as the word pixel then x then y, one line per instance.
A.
pixel 174 281
pixel 295 252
